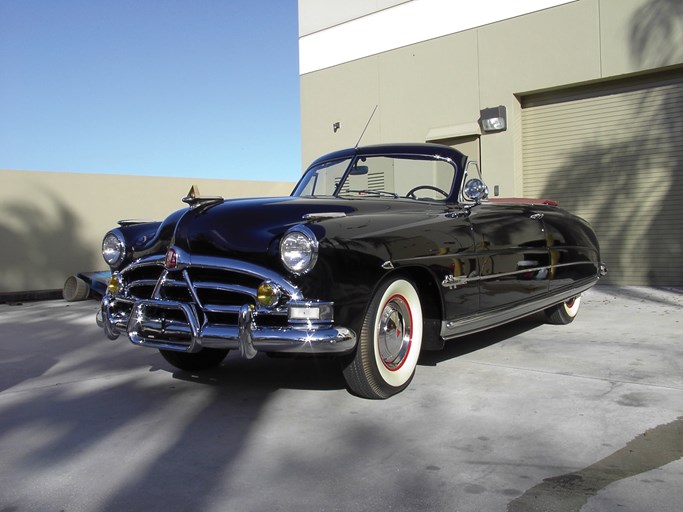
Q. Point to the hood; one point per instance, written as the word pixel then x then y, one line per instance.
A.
pixel 252 228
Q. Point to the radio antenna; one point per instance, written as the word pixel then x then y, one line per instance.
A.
pixel 366 127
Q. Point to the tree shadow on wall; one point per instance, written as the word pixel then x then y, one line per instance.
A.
pixel 42 246
pixel 657 33
pixel 607 170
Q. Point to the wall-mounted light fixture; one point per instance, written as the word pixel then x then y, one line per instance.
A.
pixel 336 126
pixel 494 119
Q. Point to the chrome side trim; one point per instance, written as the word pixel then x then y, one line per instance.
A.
pixel 456 328
pixel 450 281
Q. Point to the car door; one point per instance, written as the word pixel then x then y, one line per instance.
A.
pixel 512 254
pixel 458 266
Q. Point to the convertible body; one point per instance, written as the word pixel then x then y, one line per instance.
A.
pixel 380 252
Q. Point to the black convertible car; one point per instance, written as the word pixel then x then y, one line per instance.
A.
pixel 379 253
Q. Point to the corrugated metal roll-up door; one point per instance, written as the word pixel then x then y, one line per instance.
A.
pixel 613 154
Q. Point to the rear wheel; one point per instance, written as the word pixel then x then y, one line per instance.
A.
pixel 564 313
pixel 389 342
pixel 203 360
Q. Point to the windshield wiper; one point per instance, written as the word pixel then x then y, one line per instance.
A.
pixel 361 192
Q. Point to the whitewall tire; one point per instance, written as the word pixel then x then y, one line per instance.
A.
pixel 389 343
pixel 564 313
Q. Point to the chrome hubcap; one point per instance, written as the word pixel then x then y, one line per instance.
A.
pixel 395 333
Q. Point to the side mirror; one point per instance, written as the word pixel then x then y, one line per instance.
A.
pixel 475 190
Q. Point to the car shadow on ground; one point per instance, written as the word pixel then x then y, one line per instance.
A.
pixel 264 373
pixel 471 343
pixel 267 373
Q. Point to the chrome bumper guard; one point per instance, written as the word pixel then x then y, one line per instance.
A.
pixel 170 325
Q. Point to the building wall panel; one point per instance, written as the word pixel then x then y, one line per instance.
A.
pixel 612 155
pixel 52 223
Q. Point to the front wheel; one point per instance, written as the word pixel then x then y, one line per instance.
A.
pixel 195 361
pixel 389 342
pixel 564 313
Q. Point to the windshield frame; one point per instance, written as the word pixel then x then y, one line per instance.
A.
pixel 353 159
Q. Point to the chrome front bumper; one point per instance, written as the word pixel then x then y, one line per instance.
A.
pixel 171 325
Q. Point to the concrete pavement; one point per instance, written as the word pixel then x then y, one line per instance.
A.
pixel 526 417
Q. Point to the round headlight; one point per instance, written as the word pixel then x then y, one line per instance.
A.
pixel 299 250
pixel 113 249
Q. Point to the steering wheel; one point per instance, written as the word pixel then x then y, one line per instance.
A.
pixel 411 192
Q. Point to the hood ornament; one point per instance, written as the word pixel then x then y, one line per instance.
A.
pixel 194 199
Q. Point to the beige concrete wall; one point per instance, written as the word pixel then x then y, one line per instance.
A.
pixel 52 224
pixel 442 84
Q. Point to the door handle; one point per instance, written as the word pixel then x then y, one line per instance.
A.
pixel 459 213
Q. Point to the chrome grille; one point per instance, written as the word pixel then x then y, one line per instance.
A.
pixel 218 287
pixel 141 280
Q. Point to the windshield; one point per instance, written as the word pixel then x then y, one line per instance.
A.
pixel 412 177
